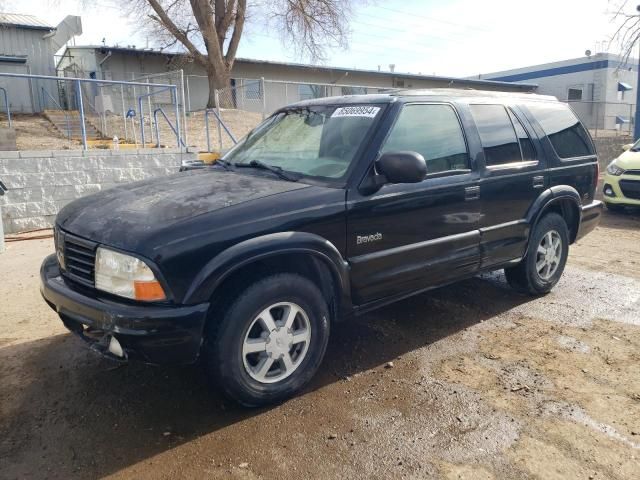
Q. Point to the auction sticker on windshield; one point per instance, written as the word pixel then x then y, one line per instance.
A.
pixel 356 111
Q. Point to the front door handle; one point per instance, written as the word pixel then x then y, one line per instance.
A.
pixel 538 181
pixel 471 193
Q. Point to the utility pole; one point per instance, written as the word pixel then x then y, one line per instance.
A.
pixel 636 122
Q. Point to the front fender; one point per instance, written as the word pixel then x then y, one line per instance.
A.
pixel 241 254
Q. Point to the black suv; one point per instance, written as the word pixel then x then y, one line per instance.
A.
pixel 328 209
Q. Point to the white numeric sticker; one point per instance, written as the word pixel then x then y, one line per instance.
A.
pixel 356 111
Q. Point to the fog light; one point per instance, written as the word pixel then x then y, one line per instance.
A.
pixel 608 191
pixel 115 347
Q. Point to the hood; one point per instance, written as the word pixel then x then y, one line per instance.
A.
pixel 629 160
pixel 142 209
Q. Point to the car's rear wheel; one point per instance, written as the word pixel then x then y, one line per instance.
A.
pixel 270 341
pixel 615 208
pixel 545 260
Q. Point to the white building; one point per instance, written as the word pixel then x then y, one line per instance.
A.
pixel 284 83
pixel 28 45
pixel 601 88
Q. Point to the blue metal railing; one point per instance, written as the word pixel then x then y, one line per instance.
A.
pixel 174 101
pixel 155 122
pixel 79 81
pixel 6 102
pixel 46 95
pixel 220 122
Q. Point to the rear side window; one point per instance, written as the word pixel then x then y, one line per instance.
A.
pixel 433 131
pixel 566 133
pixel 497 134
pixel 528 150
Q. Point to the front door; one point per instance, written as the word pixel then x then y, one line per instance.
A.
pixel 408 237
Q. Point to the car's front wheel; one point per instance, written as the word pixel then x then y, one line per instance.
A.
pixel 545 260
pixel 270 341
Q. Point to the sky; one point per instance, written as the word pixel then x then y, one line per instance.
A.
pixel 449 38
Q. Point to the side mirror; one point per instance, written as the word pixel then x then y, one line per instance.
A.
pixel 627 147
pixel 402 167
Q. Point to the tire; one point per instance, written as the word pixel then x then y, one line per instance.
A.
pixel 615 208
pixel 243 327
pixel 525 277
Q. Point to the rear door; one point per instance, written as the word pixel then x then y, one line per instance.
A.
pixel 512 178
pixel 406 237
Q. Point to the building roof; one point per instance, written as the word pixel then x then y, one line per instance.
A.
pixel 402 75
pixel 24 21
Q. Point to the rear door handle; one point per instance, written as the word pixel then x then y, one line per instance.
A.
pixel 538 181
pixel 471 193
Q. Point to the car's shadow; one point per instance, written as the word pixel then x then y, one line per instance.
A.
pixel 69 414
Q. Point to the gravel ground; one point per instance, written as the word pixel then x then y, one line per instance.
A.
pixel 469 381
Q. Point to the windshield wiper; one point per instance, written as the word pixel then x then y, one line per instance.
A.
pixel 224 163
pixel 272 168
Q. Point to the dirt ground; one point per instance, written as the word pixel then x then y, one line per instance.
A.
pixel 485 383
pixel 34 132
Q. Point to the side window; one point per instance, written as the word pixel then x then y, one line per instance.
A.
pixel 566 133
pixel 528 150
pixel 497 135
pixel 433 131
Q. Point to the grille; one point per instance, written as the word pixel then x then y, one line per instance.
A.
pixel 79 258
pixel 632 172
pixel 630 189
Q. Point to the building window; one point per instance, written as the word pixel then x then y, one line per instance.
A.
pixel 354 90
pixel 400 83
pixel 253 89
pixel 574 94
pixel 309 92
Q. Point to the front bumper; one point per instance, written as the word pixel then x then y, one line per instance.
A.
pixel 618 197
pixel 590 217
pixel 156 334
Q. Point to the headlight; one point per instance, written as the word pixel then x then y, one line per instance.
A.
pixel 126 276
pixel 613 169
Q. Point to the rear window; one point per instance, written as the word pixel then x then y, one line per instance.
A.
pixel 566 133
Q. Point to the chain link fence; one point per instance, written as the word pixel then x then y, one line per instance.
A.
pixel 606 119
pixel 146 112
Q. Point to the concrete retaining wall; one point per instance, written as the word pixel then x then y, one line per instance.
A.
pixel 609 148
pixel 40 183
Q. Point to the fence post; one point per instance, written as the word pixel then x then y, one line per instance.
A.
pixel 174 92
pixel 597 119
pixel 1 232
pixel 81 108
pixel 185 127
pixel 188 95
pixel 206 128
pixel 124 111
pixel 150 110
pixel 264 98
pixel 6 103
pixel 217 100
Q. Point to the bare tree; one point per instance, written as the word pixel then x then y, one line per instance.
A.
pixel 626 15
pixel 210 30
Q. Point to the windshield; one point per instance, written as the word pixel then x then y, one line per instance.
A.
pixel 317 141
